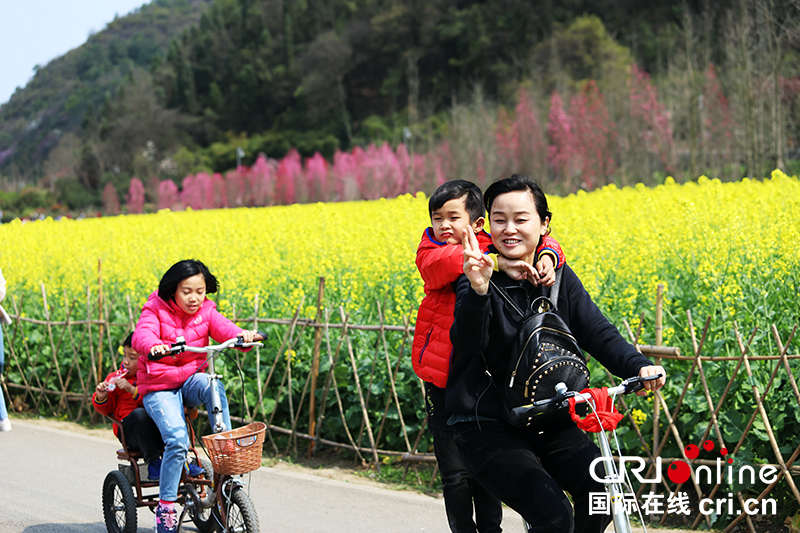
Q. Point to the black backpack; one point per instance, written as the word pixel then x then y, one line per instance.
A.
pixel 544 354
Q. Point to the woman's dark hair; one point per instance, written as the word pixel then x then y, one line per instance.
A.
pixel 454 189
pixel 128 342
pixel 519 182
pixel 179 272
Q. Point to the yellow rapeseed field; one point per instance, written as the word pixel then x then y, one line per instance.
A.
pixel 728 249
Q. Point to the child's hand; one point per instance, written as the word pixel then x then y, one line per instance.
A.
pixel 477 266
pixel 159 349
pixel 125 385
pixel 546 272
pixel 102 391
pixel 248 335
pixel 517 269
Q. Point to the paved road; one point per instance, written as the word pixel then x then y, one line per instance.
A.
pixel 51 481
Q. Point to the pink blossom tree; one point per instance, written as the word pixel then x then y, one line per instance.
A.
pixel 531 146
pixel 290 169
pixel 219 190
pixel 595 136
pixel 717 140
pixel 168 195
pixel 135 197
pixel 110 199
pixel 316 174
pixel 344 172
pixel 650 117
pixel 561 152
pixel 263 180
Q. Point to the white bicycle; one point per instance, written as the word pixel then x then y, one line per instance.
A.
pixel 616 479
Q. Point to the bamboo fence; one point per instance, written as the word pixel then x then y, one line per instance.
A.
pixel 70 378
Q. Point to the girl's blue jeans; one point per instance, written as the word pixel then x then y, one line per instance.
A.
pixel 166 409
pixel 3 412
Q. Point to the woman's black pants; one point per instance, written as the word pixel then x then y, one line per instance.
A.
pixel 529 470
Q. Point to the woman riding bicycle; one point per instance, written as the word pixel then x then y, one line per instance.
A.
pixel 178 309
pixel 528 468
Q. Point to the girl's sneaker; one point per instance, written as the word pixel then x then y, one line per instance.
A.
pixel 5 424
pixel 166 519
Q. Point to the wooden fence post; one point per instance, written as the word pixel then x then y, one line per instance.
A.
pixel 659 341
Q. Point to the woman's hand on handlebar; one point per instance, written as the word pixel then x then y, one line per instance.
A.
pixel 477 266
pixel 655 384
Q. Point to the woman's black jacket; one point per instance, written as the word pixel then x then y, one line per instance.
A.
pixel 486 323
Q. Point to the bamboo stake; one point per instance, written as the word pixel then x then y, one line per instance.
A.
pixel 100 317
pixel 258 355
pixel 13 352
pixel 767 426
pixel 406 321
pixel 766 491
pixel 391 384
pixel 742 437
pixel 52 344
pixel 678 405
pixel 784 359
pixel 678 439
pixel 296 420
pixel 361 399
pixel 331 378
pixel 315 368
pixel 659 341
pixel 369 387
pixel 62 404
pixel 286 338
pixel 130 313
pixel 32 365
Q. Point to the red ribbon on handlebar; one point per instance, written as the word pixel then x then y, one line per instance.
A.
pixel 604 412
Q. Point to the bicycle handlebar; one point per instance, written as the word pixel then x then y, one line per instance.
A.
pixel 560 400
pixel 181 346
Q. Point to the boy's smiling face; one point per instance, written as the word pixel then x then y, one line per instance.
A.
pixel 450 219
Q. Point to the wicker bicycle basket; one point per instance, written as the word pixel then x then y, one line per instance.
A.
pixel 237 451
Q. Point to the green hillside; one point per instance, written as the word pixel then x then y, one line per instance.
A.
pixel 55 101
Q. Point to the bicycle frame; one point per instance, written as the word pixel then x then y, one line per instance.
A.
pixel 221 483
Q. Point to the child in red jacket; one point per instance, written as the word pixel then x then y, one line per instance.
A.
pixel 455 205
pixel 118 395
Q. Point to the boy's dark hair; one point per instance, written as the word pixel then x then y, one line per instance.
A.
pixel 128 342
pixel 454 189
pixel 179 272
pixel 519 182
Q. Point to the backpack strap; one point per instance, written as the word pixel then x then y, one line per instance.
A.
pixel 550 302
pixel 505 296
pixel 554 290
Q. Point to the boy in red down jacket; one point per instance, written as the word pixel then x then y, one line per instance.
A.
pixel 455 205
pixel 118 395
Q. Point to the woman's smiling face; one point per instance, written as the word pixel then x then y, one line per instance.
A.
pixel 515 225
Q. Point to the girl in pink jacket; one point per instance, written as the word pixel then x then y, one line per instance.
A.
pixel 178 309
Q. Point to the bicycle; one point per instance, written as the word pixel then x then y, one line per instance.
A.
pixel 214 500
pixel 615 482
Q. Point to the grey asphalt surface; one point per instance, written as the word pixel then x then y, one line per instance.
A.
pixel 51 481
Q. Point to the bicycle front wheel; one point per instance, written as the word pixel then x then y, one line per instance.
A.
pixel 241 513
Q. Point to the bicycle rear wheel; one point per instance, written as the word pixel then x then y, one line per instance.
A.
pixel 119 504
pixel 203 518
